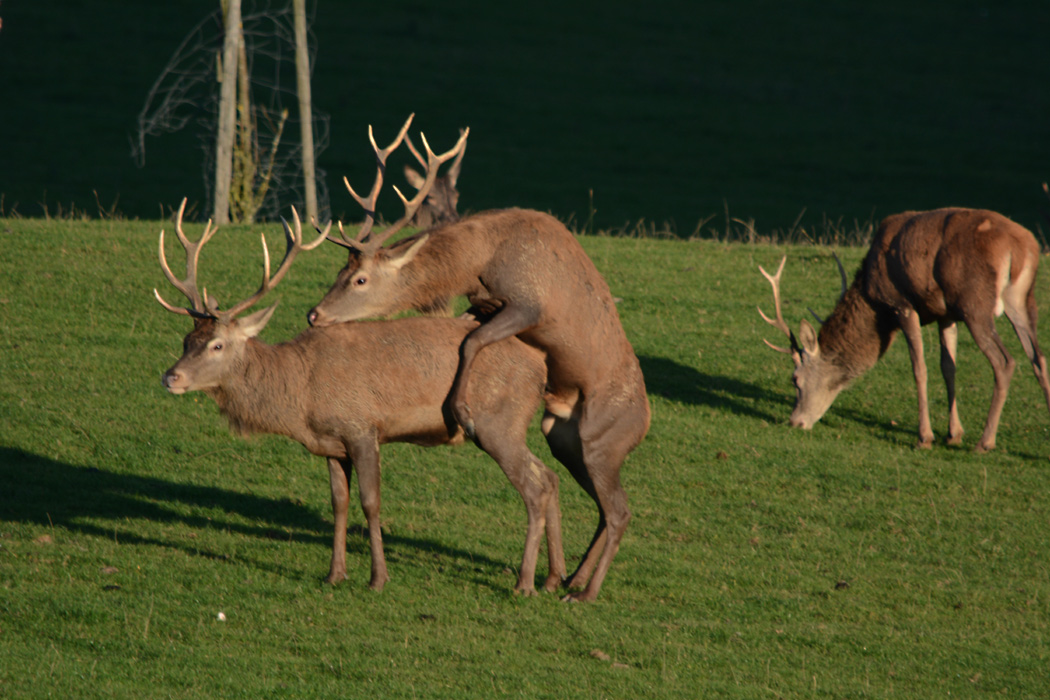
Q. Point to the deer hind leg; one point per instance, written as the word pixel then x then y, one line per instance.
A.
pixel 988 340
pixel 538 487
pixel 1023 318
pixel 949 344
pixel 595 461
pixel 510 321
pixel 366 462
pixel 912 329
pixel 339 478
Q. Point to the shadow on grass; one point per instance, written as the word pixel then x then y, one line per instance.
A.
pixel 667 378
pixel 100 503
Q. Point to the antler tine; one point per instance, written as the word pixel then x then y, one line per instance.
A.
pixel 187 286
pixel 453 170
pixel 293 244
pixel 412 205
pixel 842 274
pixel 778 323
pixel 369 203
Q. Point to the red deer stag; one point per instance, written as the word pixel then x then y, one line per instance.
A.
pixel 945 265
pixel 441 203
pixel 529 276
pixel 344 390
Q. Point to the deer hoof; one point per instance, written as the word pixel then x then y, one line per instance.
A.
pixel 466 419
pixel 982 448
pixel 954 440
pixel 578 597
pixel 553 583
pixel 924 444
pixel 526 592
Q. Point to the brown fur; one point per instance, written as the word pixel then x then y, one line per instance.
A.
pixel 527 271
pixel 344 390
pixel 944 266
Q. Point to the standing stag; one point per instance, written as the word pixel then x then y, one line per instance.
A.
pixel 529 277
pixel 344 390
pixel 945 265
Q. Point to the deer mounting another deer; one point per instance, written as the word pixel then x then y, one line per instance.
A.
pixel 943 266
pixel 529 277
pixel 344 390
pixel 441 202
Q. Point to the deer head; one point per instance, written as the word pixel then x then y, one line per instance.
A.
pixel 216 345
pixel 368 286
pixel 818 378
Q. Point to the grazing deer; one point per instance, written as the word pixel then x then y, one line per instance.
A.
pixel 344 390
pixel 526 273
pixel 440 204
pixel 945 265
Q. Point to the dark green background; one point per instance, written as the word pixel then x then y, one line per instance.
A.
pixel 669 111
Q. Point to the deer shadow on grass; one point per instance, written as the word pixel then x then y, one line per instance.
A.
pixel 677 382
pixel 92 501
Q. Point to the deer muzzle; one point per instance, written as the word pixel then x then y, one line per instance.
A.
pixel 174 381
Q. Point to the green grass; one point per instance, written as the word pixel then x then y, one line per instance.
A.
pixel 760 562
pixel 666 110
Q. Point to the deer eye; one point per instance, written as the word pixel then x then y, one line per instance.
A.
pixel 360 281
pixel 216 347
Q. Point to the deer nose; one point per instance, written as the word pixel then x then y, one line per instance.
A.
pixel 169 378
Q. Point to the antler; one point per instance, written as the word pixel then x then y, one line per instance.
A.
pixel 842 275
pixel 779 323
pixel 187 286
pixel 293 244
pixel 208 307
pixel 453 170
pixel 366 240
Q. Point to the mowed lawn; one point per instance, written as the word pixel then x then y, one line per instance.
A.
pixel 761 561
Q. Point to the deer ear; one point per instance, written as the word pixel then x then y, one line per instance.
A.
pixel 406 257
pixel 252 324
pixel 808 336
pixel 414 178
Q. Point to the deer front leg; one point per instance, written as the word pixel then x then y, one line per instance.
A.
pixel 912 329
pixel 339 478
pixel 511 321
pixel 366 462
pixel 949 337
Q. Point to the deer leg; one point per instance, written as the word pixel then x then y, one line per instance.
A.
pixel 366 462
pixel 949 342
pixel 1024 323
pixel 1003 365
pixel 538 487
pixel 510 321
pixel 339 478
pixel 912 329
pixel 604 442
pixel 563 437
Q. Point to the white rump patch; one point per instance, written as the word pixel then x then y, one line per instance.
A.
pixel 1014 293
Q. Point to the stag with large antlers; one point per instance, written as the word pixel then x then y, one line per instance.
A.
pixel 344 390
pixel 945 265
pixel 529 277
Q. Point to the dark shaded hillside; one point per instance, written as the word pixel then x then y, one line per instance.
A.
pixel 667 110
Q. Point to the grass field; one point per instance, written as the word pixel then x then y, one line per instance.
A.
pixel 761 561
pixel 668 111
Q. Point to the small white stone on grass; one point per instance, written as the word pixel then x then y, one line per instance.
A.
pixel 221 617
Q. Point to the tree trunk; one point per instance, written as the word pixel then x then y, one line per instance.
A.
pixel 227 112
pixel 302 70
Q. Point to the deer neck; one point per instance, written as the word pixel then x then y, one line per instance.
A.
pixel 443 269
pixel 265 392
pixel 856 334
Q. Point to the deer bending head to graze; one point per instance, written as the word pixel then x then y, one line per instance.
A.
pixel 344 390
pixel 945 265
pixel 441 203
pixel 530 277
